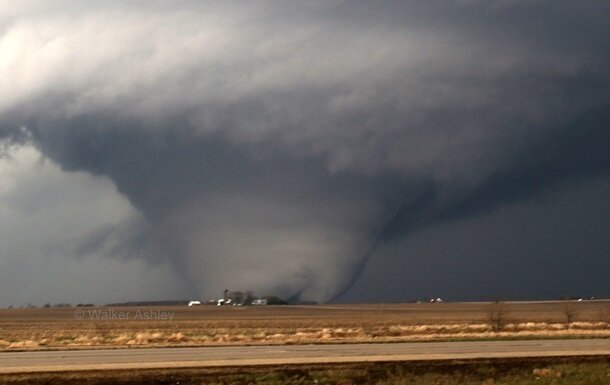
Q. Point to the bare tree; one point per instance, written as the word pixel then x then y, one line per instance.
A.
pixel 604 316
pixel 496 316
pixel 570 313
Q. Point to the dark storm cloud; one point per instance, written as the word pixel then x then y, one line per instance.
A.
pixel 278 145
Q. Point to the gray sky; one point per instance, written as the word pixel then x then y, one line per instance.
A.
pixel 331 150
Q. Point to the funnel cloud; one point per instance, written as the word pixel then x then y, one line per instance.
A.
pixel 281 147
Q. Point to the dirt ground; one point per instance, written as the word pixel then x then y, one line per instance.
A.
pixel 539 371
pixel 101 327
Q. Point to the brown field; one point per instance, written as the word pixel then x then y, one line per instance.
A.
pixel 57 328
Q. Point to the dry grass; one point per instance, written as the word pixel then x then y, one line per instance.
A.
pixel 27 329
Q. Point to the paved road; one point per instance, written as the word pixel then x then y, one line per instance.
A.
pixel 16 362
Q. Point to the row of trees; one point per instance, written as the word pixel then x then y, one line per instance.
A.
pixel 498 315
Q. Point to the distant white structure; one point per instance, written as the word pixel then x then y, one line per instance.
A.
pixel 194 303
pixel 239 298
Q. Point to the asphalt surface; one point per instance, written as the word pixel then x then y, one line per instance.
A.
pixel 39 361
